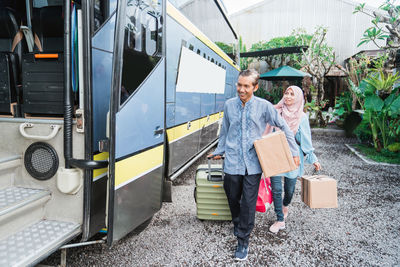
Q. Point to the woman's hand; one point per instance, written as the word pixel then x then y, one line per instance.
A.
pixel 317 166
pixel 211 156
pixel 297 161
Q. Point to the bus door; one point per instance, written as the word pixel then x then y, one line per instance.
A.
pixel 136 131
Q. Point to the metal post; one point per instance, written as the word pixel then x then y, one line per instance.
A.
pixel 63 257
pixel 28 14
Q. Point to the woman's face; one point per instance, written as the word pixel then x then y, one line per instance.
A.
pixel 289 97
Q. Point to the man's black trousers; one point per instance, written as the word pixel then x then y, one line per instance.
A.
pixel 242 192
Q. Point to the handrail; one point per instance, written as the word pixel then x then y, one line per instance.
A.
pixel 10 158
pixel 53 133
pixel 88 164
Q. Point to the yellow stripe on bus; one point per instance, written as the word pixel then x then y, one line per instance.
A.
pixel 101 156
pixel 138 165
pixel 183 130
pixel 177 15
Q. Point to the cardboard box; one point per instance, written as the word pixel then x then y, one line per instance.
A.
pixel 274 154
pixel 319 191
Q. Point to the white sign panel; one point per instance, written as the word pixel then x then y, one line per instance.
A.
pixel 198 75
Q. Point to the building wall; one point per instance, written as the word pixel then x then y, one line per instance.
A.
pixel 276 18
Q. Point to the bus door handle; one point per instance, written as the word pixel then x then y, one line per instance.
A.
pixel 158 131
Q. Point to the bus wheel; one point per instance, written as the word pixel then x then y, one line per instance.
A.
pixel 141 227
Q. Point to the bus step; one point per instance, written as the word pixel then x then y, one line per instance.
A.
pixel 13 198
pixel 37 241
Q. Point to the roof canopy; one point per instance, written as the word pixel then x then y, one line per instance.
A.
pixel 283 73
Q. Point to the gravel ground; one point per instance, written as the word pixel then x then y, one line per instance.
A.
pixel 363 231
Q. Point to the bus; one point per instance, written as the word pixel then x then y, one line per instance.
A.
pixel 102 104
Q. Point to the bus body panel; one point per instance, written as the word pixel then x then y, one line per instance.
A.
pixel 186 134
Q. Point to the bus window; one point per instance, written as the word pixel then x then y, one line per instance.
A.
pixel 198 51
pixel 191 47
pixel 151 34
pixel 204 55
pixel 212 60
pixel 102 10
pixel 98 15
pixel 142 44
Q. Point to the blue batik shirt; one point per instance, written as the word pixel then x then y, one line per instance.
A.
pixel 241 126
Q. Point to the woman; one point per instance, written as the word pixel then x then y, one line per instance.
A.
pixel 291 109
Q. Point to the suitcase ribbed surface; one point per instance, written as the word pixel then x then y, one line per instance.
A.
pixel 211 200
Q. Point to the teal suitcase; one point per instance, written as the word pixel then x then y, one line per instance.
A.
pixel 210 196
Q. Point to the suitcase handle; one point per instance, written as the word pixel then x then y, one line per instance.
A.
pixel 214 178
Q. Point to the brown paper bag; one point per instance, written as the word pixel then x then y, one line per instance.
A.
pixel 274 154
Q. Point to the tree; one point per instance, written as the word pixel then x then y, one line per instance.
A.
pixel 317 60
pixel 385 27
pixel 230 48
pixel 356 69
pixel 227 48
pixel 297 38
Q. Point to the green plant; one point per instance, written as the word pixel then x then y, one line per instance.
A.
pixel 363 133
pixel 378 111
pixel 383 156
pixel 385 27
pixel 312 106
pixel 298 38
pixel 315 110
pixel 227 48
pixel 394 128
pixel 317 60
pixel 383 82
pixel 261 92
pixel 395 147
pixel 275 94
pixel 343 106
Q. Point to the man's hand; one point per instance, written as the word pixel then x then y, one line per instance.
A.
pixel 211 156
pixel 297 161
pixel 317 166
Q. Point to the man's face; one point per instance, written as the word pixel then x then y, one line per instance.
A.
pixel 245 88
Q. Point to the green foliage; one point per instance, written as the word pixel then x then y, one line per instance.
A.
pixel 317 61
pixel 297 38
pixel 261 92
pixel 275 94
pixel 312 106
pixel 343 105
pixel 373 34
pixel 382 82
pixel 385 27
pixel 395 147
pixel 244 62
pixel 380 108
pixel 394 129
pixel 363 132
pixel 384 156
pixel 227 48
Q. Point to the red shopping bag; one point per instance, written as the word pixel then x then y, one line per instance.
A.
pixel 264 198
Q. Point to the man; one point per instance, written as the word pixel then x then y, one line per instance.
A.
pixel 245 118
